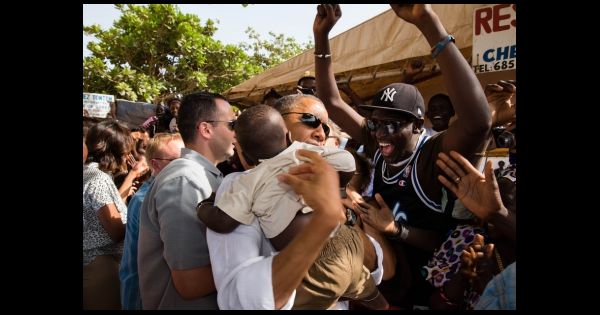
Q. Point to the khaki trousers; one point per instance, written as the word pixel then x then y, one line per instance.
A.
pixel 101 283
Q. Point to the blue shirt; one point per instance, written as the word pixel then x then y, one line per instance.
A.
pixel 501 292
pixel 128 272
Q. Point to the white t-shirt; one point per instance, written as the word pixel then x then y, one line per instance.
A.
pixel 242 265
pixel 173 125
pixel 258 193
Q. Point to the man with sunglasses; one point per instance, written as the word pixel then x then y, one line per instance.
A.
pixel 173 259
pixel 405 174
pixel 338 271
pixel 307 84
pixel 161 150
pixel 305 117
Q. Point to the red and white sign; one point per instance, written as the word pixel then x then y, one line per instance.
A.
pixel 495 38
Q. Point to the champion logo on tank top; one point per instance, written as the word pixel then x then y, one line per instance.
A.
pixel 401 183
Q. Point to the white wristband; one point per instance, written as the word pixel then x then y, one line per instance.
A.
pixel 404 233
pixel 323 56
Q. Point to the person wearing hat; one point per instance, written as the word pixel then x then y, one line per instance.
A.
pixel 414 212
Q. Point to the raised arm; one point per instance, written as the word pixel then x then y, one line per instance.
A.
pixel 464 89
pixel 340 112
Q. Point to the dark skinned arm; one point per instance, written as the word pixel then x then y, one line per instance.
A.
pixel 375 302
pixel 464 89
pixel 216 219
pixel 340 112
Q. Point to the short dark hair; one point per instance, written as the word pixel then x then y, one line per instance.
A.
pixel 271 93
pixel 288 102
pixel 445 98
pixel 259 131
pixel 196 107
pixel 305 78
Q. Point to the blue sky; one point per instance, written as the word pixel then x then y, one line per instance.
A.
pixel 293 20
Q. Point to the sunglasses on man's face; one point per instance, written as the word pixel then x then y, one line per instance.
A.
pixel 311 121
pixel 310 91
pixel 391 126
pixel 230 123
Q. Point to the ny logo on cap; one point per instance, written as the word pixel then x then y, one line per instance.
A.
pixel 388 94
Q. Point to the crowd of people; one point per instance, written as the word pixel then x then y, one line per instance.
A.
pixel 205 208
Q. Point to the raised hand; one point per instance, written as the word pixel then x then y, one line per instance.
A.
pixel 479 193
pixel 327 16
pixel 413 13
pixel 379 218
pixel 139 167
pixel 499 97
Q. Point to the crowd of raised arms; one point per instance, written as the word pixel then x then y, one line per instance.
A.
pixel 306 201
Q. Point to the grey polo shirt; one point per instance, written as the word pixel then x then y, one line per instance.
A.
pixel 171 235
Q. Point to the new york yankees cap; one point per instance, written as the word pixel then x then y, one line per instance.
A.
pixel 399 97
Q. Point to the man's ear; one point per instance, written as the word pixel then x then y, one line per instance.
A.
pixel 153 165
pixel 204 130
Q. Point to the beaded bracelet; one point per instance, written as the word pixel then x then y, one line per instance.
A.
pixel 437 49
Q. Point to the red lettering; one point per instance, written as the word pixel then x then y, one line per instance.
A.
pixel 514 22
pixel 500 17
pixel 482 18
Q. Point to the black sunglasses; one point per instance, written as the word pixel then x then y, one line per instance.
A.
pixel 310 91
pixel 311 121
pixel 392 126
pixel 230 123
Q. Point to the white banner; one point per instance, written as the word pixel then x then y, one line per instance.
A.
pixel 495 38
pixel 97 105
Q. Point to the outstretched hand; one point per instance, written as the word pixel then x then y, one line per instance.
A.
pixel 499 97
pixel 327 16
pixel 412 13
pixel 479 193
pixel 380 218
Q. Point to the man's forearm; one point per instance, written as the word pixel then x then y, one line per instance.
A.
pixel 505 222
pixel 346 117
pixel 463 86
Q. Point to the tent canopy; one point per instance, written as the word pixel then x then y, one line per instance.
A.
pixel 371 54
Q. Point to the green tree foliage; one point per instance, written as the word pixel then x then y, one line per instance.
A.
pixel 268 53
pixel 156 50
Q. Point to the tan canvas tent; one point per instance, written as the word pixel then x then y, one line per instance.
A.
pixel 373 54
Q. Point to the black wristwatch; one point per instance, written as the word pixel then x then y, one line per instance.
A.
pixel 205 201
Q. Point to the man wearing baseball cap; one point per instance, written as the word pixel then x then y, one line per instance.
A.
pixel 414 211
